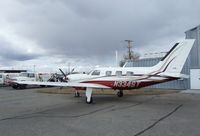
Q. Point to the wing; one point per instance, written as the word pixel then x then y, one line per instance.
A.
pixel 62 84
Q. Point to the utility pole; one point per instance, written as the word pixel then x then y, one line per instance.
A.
pixel 129 49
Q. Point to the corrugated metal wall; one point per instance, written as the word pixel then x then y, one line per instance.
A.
pixel 194 58
pixel 192 62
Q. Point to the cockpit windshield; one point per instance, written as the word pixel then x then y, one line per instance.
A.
pixel 89 73
pixel 96 73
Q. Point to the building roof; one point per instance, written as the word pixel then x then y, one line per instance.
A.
pixel 12 71
pixel 192 29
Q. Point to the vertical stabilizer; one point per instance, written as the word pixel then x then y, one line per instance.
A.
pixel 174 60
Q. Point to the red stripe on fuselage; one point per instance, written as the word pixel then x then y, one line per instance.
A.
pixel 125 85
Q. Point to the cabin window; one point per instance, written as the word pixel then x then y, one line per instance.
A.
pixel 118 73
pixel 1 76
pixel 129 73
pixel 108 73
pixel 96 73
pixel 24 74
pixel 31 75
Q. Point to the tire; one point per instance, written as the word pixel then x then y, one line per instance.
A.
pixel 90 102
pixel 120 93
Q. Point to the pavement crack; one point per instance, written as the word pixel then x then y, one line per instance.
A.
pixel 132 105
pixel 47 115
pixel 159 120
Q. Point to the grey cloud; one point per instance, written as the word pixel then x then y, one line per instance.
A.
pixel 10 53
pixel 89 9
pixel 97 28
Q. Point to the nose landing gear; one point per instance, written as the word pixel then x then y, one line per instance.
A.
pixel 77 94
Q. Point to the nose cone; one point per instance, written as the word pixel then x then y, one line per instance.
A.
pixel 68 77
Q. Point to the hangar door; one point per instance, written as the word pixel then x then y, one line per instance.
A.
pixel 195 78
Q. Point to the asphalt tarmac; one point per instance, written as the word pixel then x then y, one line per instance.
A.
pixel 29 113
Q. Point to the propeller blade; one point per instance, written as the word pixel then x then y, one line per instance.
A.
pixel 72 70
pixel 63 73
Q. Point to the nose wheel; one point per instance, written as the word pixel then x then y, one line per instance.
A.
pixel 120 93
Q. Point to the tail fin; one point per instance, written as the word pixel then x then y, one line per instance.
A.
pixel 174 60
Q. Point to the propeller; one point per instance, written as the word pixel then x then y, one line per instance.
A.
pixel 65 79
pixel 63 73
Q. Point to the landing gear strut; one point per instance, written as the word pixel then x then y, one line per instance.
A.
pixel 77 94
pixel 120 93
pixel 88 94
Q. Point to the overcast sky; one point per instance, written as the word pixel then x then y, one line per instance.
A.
pixel 54 33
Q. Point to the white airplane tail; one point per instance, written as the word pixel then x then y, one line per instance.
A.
pixel 173 62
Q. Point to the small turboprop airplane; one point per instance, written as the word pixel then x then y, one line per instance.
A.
pixel 121 78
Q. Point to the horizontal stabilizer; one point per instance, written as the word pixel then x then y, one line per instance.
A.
pixel 175 75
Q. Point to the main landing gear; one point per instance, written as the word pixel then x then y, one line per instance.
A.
pixel 89 98
pixel 120 93
pixel 89 101
pixel 88 94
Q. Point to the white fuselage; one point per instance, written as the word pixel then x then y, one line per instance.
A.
pixel 119 77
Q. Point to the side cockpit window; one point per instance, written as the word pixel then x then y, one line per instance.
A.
pixel 108 73
pixel 118 73
pixel 129 73
pixel 96 73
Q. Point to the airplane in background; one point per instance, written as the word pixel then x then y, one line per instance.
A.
pixel 123 78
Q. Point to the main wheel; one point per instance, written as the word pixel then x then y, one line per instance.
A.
pixel 91 100
pixel 120 93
